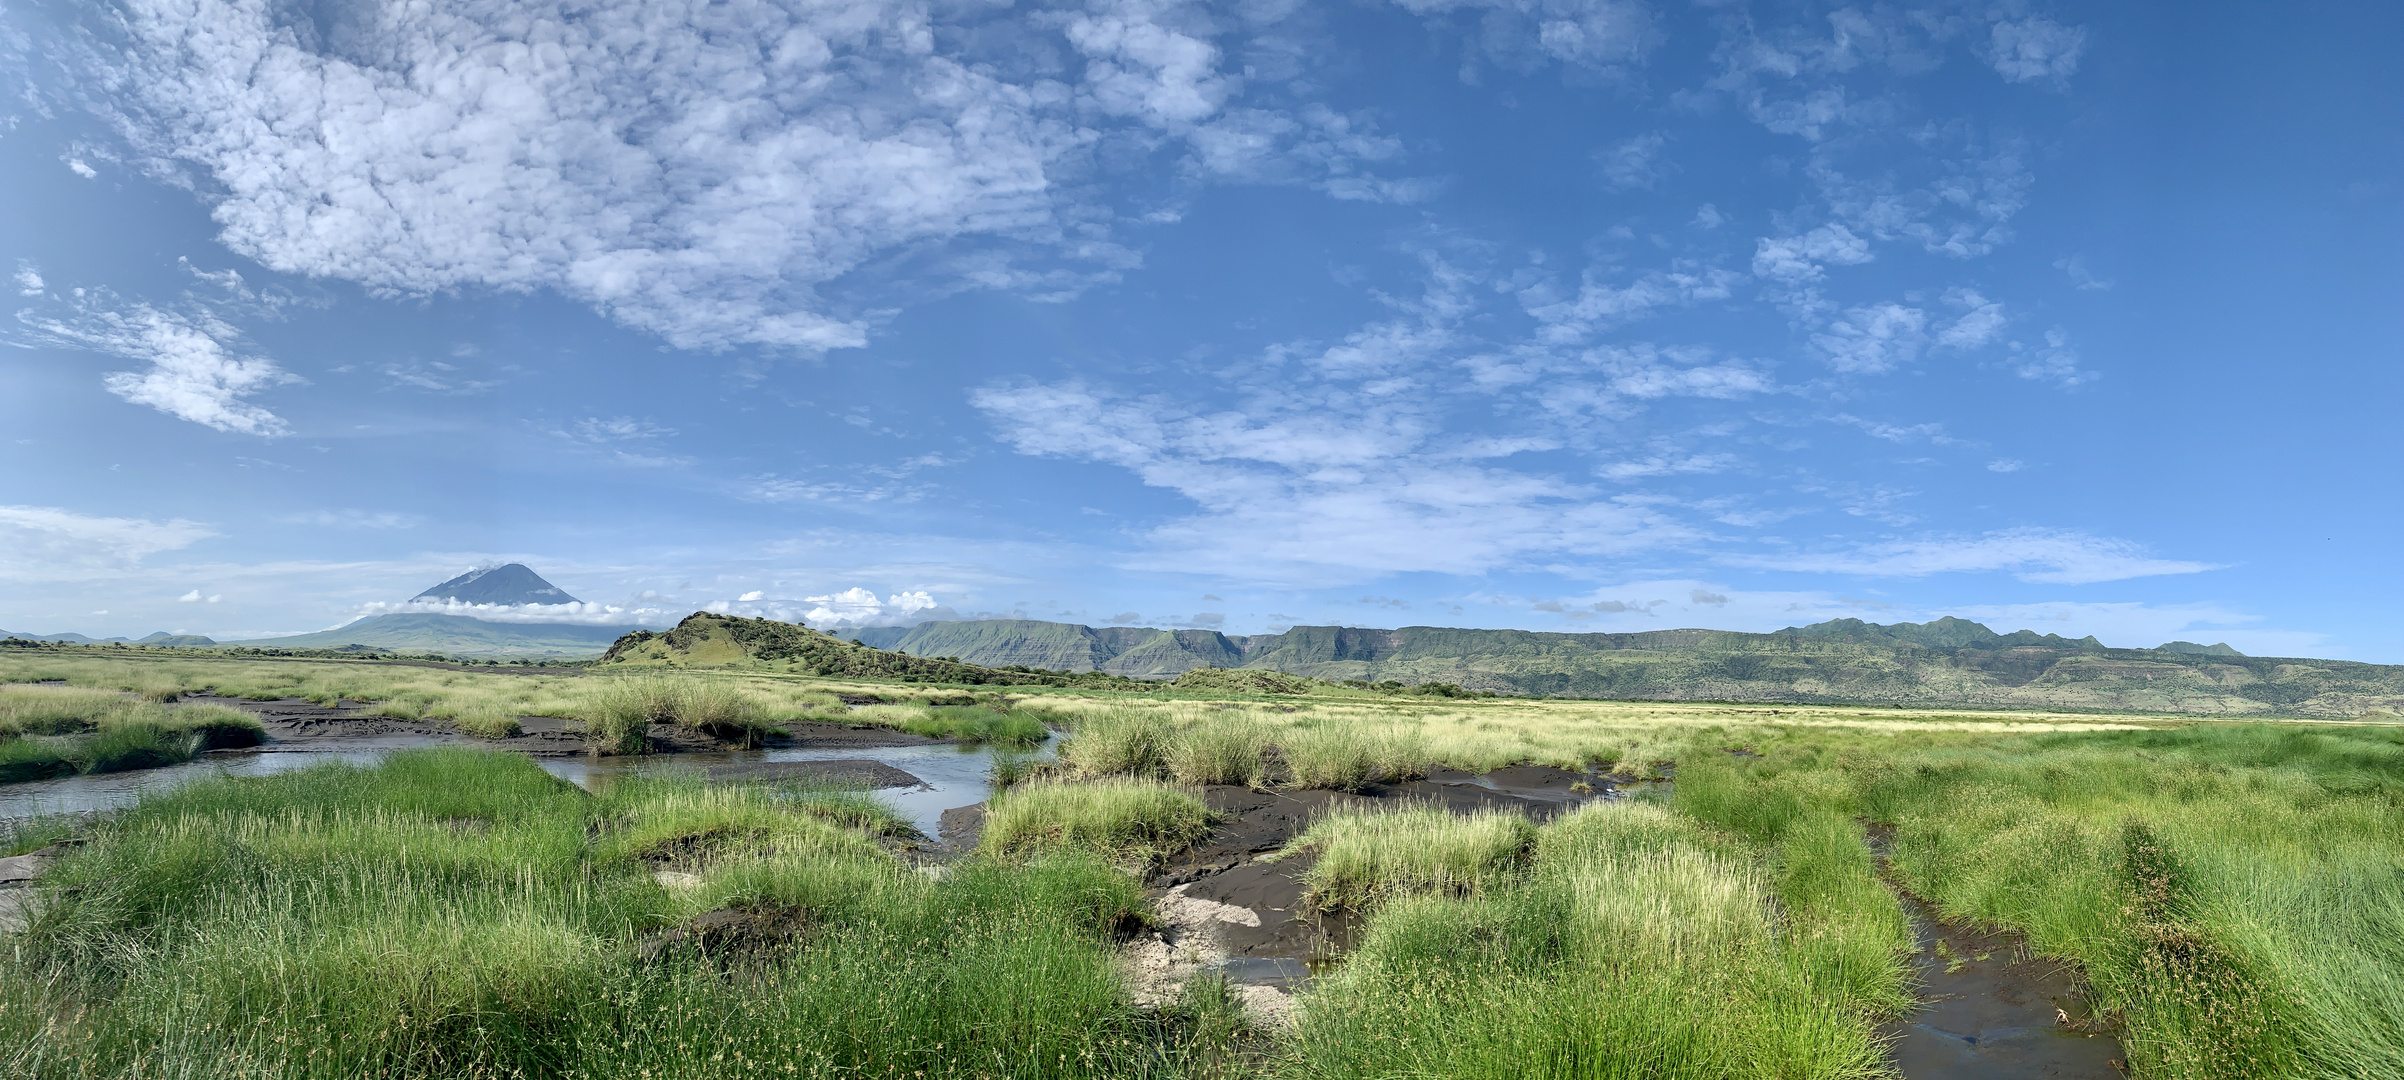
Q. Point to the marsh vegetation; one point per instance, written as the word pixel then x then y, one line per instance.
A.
pixel 2229 895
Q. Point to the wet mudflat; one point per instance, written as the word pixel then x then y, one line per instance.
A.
pixel 1247 919
pixel 1991 1011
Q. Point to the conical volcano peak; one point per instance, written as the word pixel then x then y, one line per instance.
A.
pixel 511 584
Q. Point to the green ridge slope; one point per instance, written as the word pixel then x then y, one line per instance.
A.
pixel 704 640
pixel 1943 663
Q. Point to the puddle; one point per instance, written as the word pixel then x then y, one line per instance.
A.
pixel 1283 972
pixel 951 775
pixel 1989 1011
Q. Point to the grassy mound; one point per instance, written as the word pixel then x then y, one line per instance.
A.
pixel 1119 816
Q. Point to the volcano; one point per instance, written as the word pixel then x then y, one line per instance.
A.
pixel 511 584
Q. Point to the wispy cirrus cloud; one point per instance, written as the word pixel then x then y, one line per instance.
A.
pixel 46 543
pixel 2048 556
pixel 195 371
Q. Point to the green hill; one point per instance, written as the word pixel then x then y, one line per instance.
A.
pixel 457 635
pixel 704 640
pixel 1944 663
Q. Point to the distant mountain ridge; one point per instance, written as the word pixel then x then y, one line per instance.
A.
pixel 510 584
pixel 162 638
pixel 458 635
pixel 1945 662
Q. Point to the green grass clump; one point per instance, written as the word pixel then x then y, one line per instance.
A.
pixel 127 734
pixel 1347 756
pixel 1119 815
pixel 34 757
pixel 459 913
pixel 618 711
pixel 1631 946
pixel 1223 752
pixel 1370 855
pixel 486 722
pixel 977 723
pixel 2233 891
pixel 53 710
pixel 1117 741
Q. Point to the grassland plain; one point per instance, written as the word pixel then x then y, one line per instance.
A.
pixel 2233 892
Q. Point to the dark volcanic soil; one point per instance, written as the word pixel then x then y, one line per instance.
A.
pixel 1221 868
pixel 1998 1014
pixel 843 772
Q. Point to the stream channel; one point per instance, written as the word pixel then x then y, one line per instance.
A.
pixel 950 775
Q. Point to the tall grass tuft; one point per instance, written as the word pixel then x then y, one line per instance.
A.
pixel 1121 816
pixel 1346 756
pixel 1118 741
pixel 1629 947
pixel 977 723
pixel 1371 855
pixel 619 710
pixel 1231 751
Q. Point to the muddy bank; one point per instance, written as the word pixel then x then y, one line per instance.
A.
pixel 840 772
pixel 1223 910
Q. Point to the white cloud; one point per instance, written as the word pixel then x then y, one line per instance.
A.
pixel 29 280
pixel 1635 163
pixel 1138 68
pixel 1981 322
pixel 1709 216
pixel 2075 266
pixel 192 597
pixel 580 614
pixel 694 169
pixel 356 519
pixel 1793 260
pixel 1303 494
pixel 1666 465
pixel 1600 305
pixel 2049 556
pixel 2005 465
pixel 1873 339
pixel 194 374
pixel 2055 361
pixel 1596 35
pixel 710 172
pixel 2035 49
pixel 44 543
pixel 856 607
pixel 77 166
pixel 618 429
pixel 749 596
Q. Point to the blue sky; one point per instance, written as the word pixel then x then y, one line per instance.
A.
pixel 1555 314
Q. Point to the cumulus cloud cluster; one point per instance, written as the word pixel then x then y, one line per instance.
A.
pixel 703 171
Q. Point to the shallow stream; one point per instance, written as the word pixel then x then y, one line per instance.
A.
pixel 950 775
